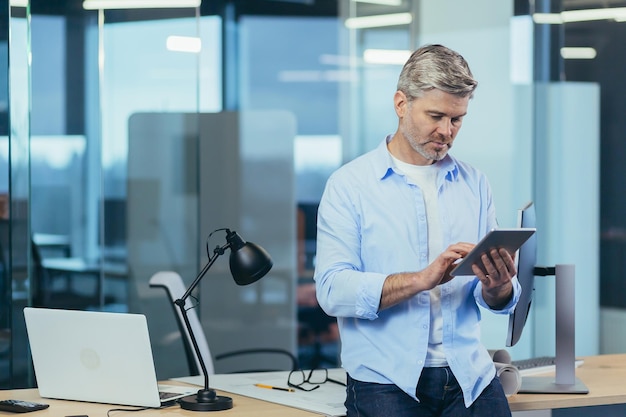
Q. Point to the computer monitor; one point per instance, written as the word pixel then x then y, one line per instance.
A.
pixel 565 381
pixel 525 262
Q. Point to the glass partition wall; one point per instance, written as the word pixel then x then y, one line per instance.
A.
pixel 15 286
pixel 5 280
pixel 132 165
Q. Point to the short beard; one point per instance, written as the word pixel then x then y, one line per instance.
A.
pixel 429 155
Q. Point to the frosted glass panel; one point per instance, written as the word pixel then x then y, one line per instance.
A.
pixel 247 184
pixel 162 223
pixel 200 173
pixel 567 149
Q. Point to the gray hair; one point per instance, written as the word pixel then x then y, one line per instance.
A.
pixel 435 66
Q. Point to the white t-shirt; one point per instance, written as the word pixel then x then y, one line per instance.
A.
pixel 425 177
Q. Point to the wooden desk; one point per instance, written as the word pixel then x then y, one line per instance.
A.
pixel 604 375
pixel 243 406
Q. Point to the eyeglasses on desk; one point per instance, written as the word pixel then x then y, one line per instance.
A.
pixel 310 380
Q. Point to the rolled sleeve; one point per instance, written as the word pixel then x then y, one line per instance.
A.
pixel 368 296
pixel 347 293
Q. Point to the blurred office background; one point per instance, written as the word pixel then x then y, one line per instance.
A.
pixel 128 135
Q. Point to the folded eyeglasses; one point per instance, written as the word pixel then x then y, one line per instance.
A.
pixel 310 380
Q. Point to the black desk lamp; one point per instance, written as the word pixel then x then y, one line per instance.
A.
pixel 248 264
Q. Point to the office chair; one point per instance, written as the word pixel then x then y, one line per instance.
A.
pixel 175 288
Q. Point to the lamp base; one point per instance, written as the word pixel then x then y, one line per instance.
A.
pixel 206 400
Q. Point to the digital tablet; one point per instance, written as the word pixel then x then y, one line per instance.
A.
pixel 509 239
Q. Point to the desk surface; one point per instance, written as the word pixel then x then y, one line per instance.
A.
pixel 243 406
pixel 604 375
pixel 80 265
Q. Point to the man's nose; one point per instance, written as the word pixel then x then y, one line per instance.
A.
pixel 444 127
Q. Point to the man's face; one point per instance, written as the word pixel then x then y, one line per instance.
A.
pixel 430 123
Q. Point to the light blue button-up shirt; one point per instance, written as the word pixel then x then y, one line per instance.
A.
pixel 372 223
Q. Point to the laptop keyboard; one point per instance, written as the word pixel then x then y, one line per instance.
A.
pixel 167 395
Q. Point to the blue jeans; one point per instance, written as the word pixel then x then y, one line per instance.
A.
pixel 439 395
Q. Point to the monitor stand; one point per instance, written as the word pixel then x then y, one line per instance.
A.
pixel 564 381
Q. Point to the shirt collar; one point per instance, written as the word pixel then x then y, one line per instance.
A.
pixel 384 163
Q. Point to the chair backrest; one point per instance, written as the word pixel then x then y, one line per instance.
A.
pixel 175 288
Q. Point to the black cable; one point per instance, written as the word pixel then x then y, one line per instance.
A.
pixel 165 405
pixel 126 409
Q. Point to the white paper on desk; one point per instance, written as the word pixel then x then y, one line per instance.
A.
pixel 510 378
pixel 509 375
pixel 328 399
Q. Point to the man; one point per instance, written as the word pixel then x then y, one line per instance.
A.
pixel 391 225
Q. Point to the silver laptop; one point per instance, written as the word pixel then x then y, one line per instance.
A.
pixel 96 357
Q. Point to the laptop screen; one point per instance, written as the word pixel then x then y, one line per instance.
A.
pixel 93 356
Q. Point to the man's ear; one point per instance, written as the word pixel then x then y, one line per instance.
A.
pixel 400 103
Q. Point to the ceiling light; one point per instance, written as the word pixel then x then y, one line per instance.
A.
pixel 383 2
pixel 593 14
pixel 548 18
pixel 138 4
pixel 183 44
pixel 386 56
pixel 578 53
pixel 393 19
pixel 586 15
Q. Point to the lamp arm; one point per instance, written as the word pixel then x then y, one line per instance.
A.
pixel 181 305
pixel 217 251
pixel 206 399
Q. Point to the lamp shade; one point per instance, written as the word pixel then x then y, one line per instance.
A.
pixel 248 262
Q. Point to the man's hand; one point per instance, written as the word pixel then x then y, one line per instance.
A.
pixel 402 286
pixel 438 272
pixel 496 273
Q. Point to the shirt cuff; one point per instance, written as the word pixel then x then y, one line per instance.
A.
pixel 368 295
pixel 507 309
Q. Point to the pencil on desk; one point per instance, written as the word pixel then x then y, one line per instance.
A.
pixel 271 387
